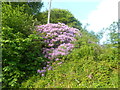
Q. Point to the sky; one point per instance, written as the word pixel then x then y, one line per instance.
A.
pixel 98 14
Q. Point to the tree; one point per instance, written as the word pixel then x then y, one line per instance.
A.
pixel 59 15
pixel 113 33
pixel 21 47
pixel 29 7
pixel 66 17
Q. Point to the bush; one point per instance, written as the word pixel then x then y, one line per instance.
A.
pixel 81 70
pixel 15 18
pixel 58 39
pixel 21 46
pixel 21 57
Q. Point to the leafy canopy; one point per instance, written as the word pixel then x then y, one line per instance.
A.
pixel 59 15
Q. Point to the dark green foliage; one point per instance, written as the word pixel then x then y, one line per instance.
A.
pixel 18 20
pixel 21 46
pixel 59 15
pixel 89 65
pixel 113 34
pixel 21 58
pixel 29 7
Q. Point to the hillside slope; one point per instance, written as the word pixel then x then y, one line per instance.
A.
pixel 89 66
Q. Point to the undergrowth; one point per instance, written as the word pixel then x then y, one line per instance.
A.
pixel 85 67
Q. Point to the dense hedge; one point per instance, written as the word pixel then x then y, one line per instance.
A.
pixel 21 46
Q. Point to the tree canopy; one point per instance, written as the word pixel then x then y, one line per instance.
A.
pixel 59 15
pixel 29 7
pixel 113 32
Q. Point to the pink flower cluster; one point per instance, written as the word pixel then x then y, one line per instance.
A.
pixel 58 38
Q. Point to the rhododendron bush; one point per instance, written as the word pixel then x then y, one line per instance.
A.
pixel 59 41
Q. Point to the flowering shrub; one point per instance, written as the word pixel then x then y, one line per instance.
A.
pixel 58 39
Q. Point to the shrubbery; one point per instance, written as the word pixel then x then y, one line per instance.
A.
pixel 59 42
pixel 87 66
pixel 21 46
pixel 26 48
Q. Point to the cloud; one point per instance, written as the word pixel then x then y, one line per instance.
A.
pixel 103 16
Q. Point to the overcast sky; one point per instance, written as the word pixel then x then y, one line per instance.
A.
pixel 98 14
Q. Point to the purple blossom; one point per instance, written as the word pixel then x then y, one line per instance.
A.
pixel 58 38
pixel 42 74
pixel 47 65
pixel 59 63
pixel 38 71
pixel 56 59
pixel 41 71
pixel 48 62
pixel 51 45
pixel 44 67
pixel 50 68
